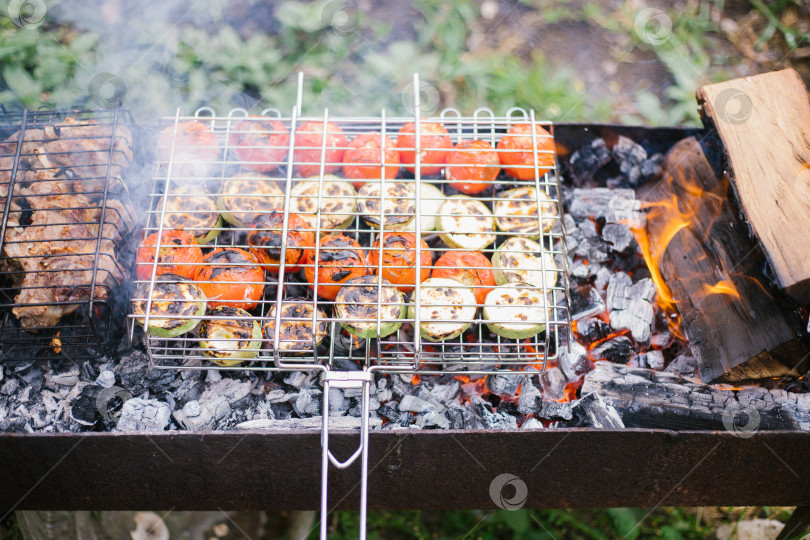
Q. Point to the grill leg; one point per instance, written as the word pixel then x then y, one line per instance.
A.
pixel 798 524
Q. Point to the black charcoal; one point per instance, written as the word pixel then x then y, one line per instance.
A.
pixel 630 306
pixel 414 404
pixel 618 235
pixel 336 400
pixel 532 423
pixel 655 360
pixel 144 415
pixel 433 419
pixel 588 159
pixel 65 373
pixel 592 411
pixel 552 381
pixel 593 329
pixel 529 396
pixel 308 403
pixel 651 166
pixel 32 377
pixel 10 387
pixel 105 379
pixel 588 305
pixel 683 365
pixel 503 384
pixel 556 410
pixel 390 413
pixel 574 363
pixel 618 350
pixel 84 408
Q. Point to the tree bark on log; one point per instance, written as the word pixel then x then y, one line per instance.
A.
pixel 645 398
pixel 736 329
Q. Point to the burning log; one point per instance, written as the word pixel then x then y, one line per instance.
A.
pixel 763 123
pixel 699 248
pixel 647 398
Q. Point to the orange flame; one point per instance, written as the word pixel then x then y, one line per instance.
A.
pixel 721 287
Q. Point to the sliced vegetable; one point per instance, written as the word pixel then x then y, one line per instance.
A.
pixel 356 307
pixel 363 159
pixel 465 223
pixel 520 260
pixel 434 142
pixel 516 311
pixel 446 310
pixel 310 140
pixel 177 305
pixel 296 334
pixel 230 336
pixel 390 206
pixel 470 268
pixel 430 200
pixel 231 277
pixel 472 166
pixel 516 212
pixel 337 203
pixel 260 144
pixel 399 259
pixel 265 241
pixel 178 254
pixel 193 210
pixel 246 196
pixel 340 259
pixel 516 151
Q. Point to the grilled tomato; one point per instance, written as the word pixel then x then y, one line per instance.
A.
pixel 187 142
pixel 177 305
pixel 230 336
pixel 364 158
pixel 470 268
pixel 178 254
pixel 472 166
pixel 399 259
pixel 260 144
pixel 265 241
pixel 310 139
pixel 340 258
pixel 231 277
pixel 434 142
pixel 517 151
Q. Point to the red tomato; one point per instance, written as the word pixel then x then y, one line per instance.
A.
pixel 469 268
pixel 516 148
pixel 309 138
pixel 472 166
pixel 190 146
pixel 265 241
pixel 178 254
pixel 231 277
pixel 435 143
pixel 363 159
pixel 261 145
pixel 340 258
pixel 399 259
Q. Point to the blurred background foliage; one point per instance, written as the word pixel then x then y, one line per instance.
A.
pixel 570 60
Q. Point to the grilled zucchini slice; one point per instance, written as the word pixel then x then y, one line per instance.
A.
pixel 356 306
pixel 516 311
pixel 522 260
pixel 430 200
pixel 516 212
pixel 338 200
pixel 229 341
pixel 466 223
pixel 246 196
pixel 177 305
pixel 390 206
pixel 296 335
pixel 446 309
pixel 190 209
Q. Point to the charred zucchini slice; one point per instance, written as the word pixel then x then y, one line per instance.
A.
pixel 338 200
pixel 446 309
pixel 430 200
pixel 229 340
pixel 296 335
pixel 190 209
pixel 516 212
pixel 516 311
pixel 177 305
pixel 390 205
pixel 246 196
pixel 522 260
pixel 466 223
pixel 356 307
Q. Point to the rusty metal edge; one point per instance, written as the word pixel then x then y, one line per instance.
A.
pixel 572 468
